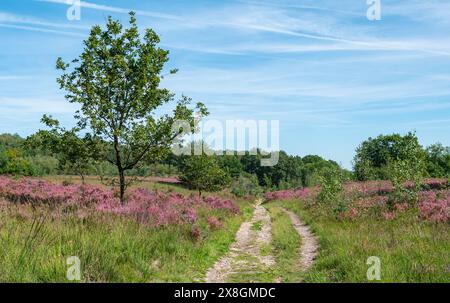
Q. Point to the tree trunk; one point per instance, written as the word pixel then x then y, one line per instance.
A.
pixel 122 185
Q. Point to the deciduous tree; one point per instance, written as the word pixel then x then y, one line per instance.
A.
pixel 116 83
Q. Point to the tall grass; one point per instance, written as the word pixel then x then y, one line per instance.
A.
pixel 410 250
pixel 35 244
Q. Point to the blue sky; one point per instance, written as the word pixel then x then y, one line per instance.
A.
pixel 328 74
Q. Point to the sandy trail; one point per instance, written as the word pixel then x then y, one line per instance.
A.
pixel 309 247
pixel 245 255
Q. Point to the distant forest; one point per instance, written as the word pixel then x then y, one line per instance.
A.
pixel 23 157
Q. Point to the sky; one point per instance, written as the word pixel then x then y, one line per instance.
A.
pixel 328 74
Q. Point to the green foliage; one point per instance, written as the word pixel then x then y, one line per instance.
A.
pixel 155 169
pixel 17 159
pixel 116 83
pixel 231 164
pixel 76 154
pixel 44 165
pixel 8 141
pixel 406 176
pixel 374 156
pixel 12 162
pixel 246 185
pixel 438 161
pixel 290 172
pixel 204 173
pixel 314 167
pixel 331 186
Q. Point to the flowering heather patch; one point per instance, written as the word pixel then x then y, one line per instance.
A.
pixel 218 203
pixel 434 207
pixel 373 201
pixel 372 188
pixel 368 188
pixel 437 183
pixel 301 193
pixel 359 189
pixel 159 208
pixel 369 198
pixel 214 223
pixel 350 214
pixel 150 207
pixel 389 215
pixel 43 192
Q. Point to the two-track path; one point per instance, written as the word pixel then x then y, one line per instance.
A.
pixel 246 256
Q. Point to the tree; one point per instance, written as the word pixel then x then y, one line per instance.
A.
pixel 438 161
pixel 12 162
pixel 314 168
pixel 231 164
pixel 76 153
pixel 203 173
pixel 331 185
pixel 408 167
pixel 375 154
pixel 8 141
pixel 246 184
pixel 116 82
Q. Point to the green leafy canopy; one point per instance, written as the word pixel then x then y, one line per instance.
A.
pixel 116 83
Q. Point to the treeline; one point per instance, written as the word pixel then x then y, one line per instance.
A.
pixel 246 174
pixel 19 156
pixel 376 159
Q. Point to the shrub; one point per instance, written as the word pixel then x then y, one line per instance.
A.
pixel 204 174
pixel 246 185
pixel 331 186
pixel 12 163
pixel 43 165
pixel 407 178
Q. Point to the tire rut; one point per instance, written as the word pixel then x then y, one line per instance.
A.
pixel 309 246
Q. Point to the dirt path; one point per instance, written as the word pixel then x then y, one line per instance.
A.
pixel 246 255
pixel 309 247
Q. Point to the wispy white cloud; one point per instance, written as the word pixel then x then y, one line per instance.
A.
pixel 19 19
pixel 120 10
pixel 17 106
pixel 276 18
pixel 27 23
pixel 280 4
pixel 42 30
pixel 283 80
pixel 433 11
pixel 12 77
